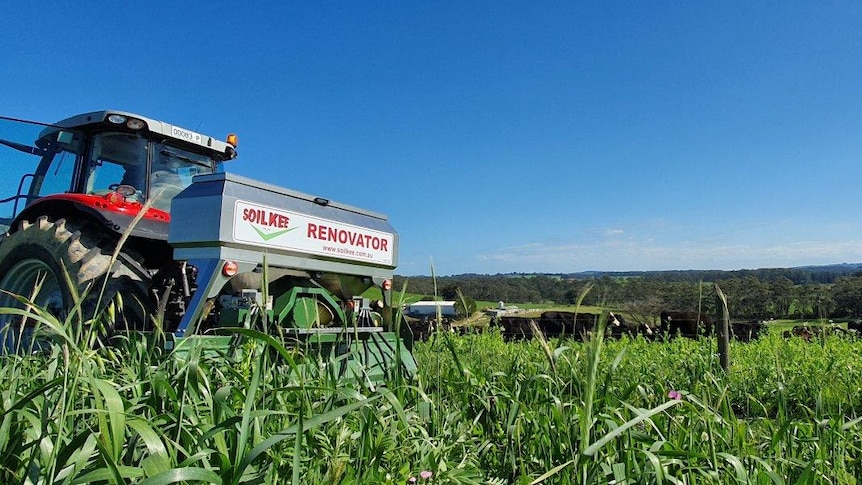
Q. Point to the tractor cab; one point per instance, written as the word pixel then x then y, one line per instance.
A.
pixel 110 162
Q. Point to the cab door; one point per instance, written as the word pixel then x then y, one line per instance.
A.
pixel 36 160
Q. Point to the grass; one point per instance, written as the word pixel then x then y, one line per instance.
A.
pixel 770 420
pixel 480 411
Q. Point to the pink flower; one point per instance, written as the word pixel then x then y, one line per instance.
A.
pixel 675 395
pixel 425 474
pixel 412 479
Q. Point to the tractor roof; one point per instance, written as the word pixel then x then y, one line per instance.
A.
pixel 151 125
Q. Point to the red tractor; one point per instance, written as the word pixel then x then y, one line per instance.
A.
pixel 136 215
pixel 94 173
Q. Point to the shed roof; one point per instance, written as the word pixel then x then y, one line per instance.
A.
pixel 432 303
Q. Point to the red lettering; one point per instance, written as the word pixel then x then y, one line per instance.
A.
pixel 342 236
pixel 271 219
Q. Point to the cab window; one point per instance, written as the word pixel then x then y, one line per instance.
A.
pixel 60 156
pixel 117 159
pixel 173 170
pixel 58 177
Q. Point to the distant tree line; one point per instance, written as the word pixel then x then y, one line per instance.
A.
pixel 803 293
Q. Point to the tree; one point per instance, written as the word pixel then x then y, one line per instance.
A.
pixel 464 305
pixel 753 298
pixel 450 292
pixel 847 295
pixel 783 294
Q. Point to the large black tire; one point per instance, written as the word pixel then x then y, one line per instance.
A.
pixel 49 249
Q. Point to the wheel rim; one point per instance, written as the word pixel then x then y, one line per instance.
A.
pixel 21 280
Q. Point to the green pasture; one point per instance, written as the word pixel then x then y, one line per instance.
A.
pixel 480 411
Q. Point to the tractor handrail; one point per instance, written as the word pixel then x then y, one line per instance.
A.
pixel 14 197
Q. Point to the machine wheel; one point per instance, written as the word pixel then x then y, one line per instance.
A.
pixel 46 249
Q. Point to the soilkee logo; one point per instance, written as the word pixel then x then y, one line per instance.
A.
pixel 259 218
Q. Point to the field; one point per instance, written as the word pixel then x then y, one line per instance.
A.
pixel 481 411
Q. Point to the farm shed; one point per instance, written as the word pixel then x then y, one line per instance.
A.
pixel 421 308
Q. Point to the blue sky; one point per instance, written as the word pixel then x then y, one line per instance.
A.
pixel 499 136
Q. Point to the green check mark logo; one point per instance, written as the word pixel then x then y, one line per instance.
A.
pixel 271 235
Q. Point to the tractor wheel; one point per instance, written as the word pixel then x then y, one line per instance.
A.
pixel 46 251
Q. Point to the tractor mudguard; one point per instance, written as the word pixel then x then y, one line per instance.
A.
pixel 102 211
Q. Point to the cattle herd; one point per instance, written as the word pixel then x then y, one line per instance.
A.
pixel 554 324
pixel 581 325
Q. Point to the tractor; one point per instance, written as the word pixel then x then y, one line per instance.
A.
pixel 138 216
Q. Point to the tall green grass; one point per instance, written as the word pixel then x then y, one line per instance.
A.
pixel 787 412
pixel 480 411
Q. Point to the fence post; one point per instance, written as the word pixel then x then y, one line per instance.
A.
pixel 723 329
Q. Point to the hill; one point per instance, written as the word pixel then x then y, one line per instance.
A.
pixel 564 287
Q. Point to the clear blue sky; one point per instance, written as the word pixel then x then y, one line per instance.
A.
pixel 499 136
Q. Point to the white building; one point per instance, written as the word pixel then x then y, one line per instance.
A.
pixel 423 308
pixel 502 310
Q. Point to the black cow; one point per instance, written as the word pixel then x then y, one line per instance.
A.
pixel 558 324
pixel 421 328
pixel 515 328
pixel 686 324
pixel 424 327
pixel 747 331
pixel 552 324
pixel 571 324
pixel 631 330
pixel 803 332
